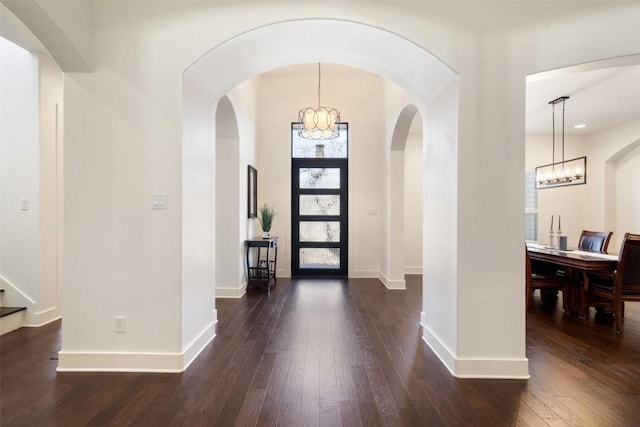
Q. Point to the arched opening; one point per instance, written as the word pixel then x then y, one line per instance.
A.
pixel 413 69
pixel 413 203
pixel 402 186
pixel 621 181
pixel 227 201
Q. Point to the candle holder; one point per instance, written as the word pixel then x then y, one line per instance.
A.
pixel 551 239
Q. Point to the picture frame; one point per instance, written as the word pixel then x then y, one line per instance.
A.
pixel 252 192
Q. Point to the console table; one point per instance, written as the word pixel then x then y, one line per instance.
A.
pixel 261 257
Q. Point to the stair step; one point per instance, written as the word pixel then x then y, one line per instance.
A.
pixel 5 311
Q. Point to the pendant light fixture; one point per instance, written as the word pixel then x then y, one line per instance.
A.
pixel 564 172
pixel 319 123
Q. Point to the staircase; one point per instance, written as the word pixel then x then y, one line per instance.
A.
pixel 11 318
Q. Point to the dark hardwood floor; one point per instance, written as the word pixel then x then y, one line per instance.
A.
pixel 331 353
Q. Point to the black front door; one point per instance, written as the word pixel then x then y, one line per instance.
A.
pixel 319 210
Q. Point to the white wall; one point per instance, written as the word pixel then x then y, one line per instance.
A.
pixel 359 96
pixel 197 315
pixel 20 157
pixel 244 100
pixel 123 142
pixel 413 190
pixel 439 317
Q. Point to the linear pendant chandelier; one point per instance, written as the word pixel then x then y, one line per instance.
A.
pixel 319 123
pixel 564 172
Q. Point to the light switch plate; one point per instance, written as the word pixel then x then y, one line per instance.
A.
pixel 24 204
pixel 159 201
pixel 121 324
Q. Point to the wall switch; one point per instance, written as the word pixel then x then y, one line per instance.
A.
pixel 159 201
pixel 371 211
pixel 24 204
pixel 121 324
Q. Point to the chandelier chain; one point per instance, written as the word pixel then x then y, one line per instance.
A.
pixel 319 104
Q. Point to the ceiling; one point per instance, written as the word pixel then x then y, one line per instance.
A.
pixel 600 99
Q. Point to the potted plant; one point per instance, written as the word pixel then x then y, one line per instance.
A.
pixel 265 217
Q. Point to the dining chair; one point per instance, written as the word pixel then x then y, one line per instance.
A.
pixel 594 241
pixel 624 284
pixel 545 280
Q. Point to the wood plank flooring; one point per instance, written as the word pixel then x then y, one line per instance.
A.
pixel 335 353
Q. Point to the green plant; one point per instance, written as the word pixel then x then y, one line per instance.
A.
pixel 266 217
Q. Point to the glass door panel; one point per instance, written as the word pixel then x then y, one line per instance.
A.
pixel 319 204
pixel 319 231
pixel 319 258
pixel 319 178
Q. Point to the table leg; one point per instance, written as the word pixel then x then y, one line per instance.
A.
pixel 583 295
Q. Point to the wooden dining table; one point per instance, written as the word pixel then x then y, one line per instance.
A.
pixel 574 260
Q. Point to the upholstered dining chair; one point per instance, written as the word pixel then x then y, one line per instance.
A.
pixel 623 286
pixel 594 241
pixel 545 280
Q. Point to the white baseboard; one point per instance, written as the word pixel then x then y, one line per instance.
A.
pixel 231 292
pixel 43 317
pixel 72 361
pixel 364 274
pixel 200 342
pixel 413 270
pixel 474 368
pixel 284 273
pixel 392 284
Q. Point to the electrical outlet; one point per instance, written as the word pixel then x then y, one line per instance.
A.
pixel 121 324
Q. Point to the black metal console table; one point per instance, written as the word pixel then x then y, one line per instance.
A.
pixel 261 257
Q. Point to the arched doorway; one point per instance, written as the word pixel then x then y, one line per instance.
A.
pixel 227 201
pixel 403 62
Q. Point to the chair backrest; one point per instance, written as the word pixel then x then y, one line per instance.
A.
pixel 628 274
pixel 594 241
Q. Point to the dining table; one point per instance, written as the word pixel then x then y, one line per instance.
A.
pixel 571 260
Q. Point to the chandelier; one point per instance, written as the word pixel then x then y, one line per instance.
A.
pixel 320 122
pixel 564 172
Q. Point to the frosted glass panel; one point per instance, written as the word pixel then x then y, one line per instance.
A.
pixel 315 204
pixel 319 178
pixel 314 231
pixel 309 148
pixel 319 258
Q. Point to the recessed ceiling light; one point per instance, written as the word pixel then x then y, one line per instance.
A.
pixel 580 126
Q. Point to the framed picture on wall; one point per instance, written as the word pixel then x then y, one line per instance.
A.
pixel 252 192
